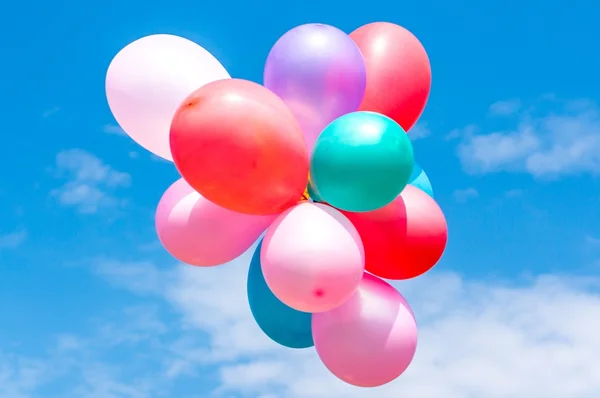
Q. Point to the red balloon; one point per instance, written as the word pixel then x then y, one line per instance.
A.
pixel 240 147
pixel 398 72
pixel 404 239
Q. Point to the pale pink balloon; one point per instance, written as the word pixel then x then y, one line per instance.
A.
pixel 198 232
pixel 312 257
pixel 148 80
pixel 369 340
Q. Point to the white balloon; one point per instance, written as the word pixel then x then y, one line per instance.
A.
pixel 149 79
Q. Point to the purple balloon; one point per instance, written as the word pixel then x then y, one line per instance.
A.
pixel 320 74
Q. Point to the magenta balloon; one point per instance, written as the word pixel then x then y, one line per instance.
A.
pixel 198 232
pixel 369 340
pixel 320 74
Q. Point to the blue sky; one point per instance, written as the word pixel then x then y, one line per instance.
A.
pixel 92 307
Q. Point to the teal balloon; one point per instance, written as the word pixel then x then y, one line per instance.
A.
pixel 282 324
pixel 361 162
pixel 312 192
pixel 419 179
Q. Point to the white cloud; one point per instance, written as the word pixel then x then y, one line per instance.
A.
pixel 90 182
pixel 100 381
pixel 549 144
pixel 464 195
pixel 537 339
pixel 12 240
pixel 514 193
pixel 19 376
pixel 158 159
pixel 77 366
pixel 505 108
pixel 68 342
pixel 113 129
pixel 592 241
pixel 50 112
pixel 140 277
pixel 419 130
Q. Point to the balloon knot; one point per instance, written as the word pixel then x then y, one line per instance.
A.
pixel 305 196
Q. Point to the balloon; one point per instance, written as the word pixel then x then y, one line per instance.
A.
pixel 361 162
pixel 148 80
pixel 369 340
pixel 404 239
pixel 311 190
pixel 282 324
pixel 419 179
pixel 198 232
pixel 319 73
pixel 398 72
pixel 312 257
pixel 237 144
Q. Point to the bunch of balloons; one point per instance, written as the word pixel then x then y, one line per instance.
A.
pixel 319 158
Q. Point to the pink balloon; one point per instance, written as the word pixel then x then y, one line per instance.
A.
pixel 148 80
pixel 370 339
pixel 312 257
pixel 198 232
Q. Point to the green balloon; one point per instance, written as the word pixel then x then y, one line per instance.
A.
pixel 361 162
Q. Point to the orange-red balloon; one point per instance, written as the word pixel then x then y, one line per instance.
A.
pixel 398 72
pixel 240 147
pixel 404 239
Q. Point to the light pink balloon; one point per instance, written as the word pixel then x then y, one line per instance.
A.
pixel 198 232
pixel 369 340
pixel 148 80
pixel 312 257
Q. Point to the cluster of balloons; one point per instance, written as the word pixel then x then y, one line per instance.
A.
pixel 317 159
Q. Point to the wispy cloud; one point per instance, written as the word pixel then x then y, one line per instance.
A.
pixel 90 182
pixel 473 337
pixel 122 357
pixel 20 376
pixel 505 108
pixel 464 133
pixel 546 144
pixel 12 240
pixel 419 131
pixel 141 277
pixel 50 112
pixel 113 129
pixel 513 193
pixel 464 195
pixel 592 241
pixel 158 159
